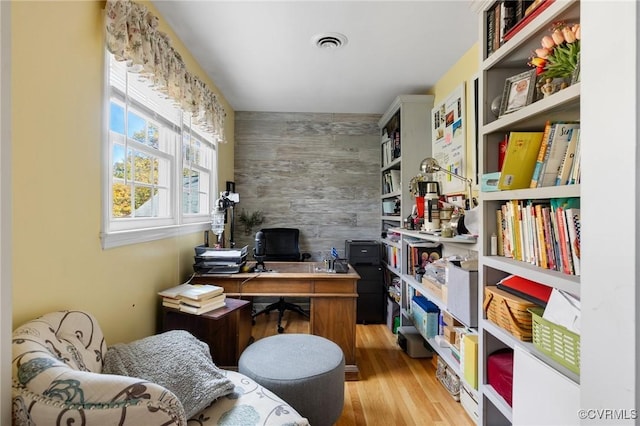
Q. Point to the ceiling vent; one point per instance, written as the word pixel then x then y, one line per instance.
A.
pixel 330 40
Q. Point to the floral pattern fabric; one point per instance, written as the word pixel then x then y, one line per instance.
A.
pixel 132 36
pixel 58 380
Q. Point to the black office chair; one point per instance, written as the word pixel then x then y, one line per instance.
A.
pixel 282 245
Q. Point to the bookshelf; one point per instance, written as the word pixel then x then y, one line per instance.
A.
pixel 405 140
pixel 507 58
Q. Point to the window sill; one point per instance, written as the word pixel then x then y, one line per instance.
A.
pixel 137 236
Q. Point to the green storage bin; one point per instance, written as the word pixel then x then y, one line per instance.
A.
pixel 556 341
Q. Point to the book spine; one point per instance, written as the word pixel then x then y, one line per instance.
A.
pixel 500 231
pixel 543 167
pixel 575 166
pixel 541 153
pixel 507 230
pixel 555 239
pixel 548 238
pixel 542 243
pixel 573 225
pixel 490 31
pixel 567 161
pixel 562 236
pixel 555 152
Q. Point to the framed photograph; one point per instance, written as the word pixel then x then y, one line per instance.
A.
pixel 518 91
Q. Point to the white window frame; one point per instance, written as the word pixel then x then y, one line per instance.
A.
pixel 124 231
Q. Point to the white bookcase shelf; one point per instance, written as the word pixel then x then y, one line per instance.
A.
pixel 508 60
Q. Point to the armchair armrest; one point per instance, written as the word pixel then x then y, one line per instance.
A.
pixel 96 399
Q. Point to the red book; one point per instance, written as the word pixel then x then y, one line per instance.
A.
pixel 527 289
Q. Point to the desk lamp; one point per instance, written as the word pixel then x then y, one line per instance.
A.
pixel 226 201
pixel 430 165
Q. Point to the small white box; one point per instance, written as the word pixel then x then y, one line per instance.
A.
pixel 462 294
pixel 469 403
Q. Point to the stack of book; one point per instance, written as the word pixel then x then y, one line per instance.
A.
pixel 194 298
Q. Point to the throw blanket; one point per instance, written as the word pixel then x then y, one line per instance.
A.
pixel 176 360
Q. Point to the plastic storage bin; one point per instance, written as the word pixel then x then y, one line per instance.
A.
pixel 556 341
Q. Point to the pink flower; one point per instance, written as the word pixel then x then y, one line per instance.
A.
pixel 568 35
pixel 547 42
pixel 542 52
pixel 557 37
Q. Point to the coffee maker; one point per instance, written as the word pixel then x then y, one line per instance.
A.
pixel 431 195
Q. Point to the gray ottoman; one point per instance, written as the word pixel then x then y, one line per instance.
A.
pixel 306 371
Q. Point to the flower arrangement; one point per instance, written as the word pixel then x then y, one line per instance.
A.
pixel 559 54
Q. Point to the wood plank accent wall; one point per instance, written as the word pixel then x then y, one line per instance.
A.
pixel 313 171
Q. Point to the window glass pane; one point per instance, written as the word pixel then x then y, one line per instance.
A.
pixel 153 135
pixel 116 118
pixel 118 161
pixel 121 206
pixel 136 127
pixel 144 202
pixel 146 167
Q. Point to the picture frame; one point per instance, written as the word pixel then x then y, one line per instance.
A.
pixel 518 92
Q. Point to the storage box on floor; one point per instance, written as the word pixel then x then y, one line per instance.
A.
pixel 410 340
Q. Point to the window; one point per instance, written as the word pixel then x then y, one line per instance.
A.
pixel 161 168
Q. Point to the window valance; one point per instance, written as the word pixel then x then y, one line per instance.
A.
pixel 132 36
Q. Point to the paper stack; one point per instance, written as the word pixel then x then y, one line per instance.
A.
pixel 194 298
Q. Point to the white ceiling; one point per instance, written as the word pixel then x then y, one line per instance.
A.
pixel 261 56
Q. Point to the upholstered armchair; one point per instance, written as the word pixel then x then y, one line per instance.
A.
pixel 58 379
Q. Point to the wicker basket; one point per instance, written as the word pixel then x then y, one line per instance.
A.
pixel 509 312
pixel 556 341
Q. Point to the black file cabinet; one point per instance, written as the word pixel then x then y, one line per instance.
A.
pixel 364 256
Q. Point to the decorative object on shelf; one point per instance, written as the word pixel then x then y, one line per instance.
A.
pixel 495 105
pixel 518 92
pixel 430 165
pixel 249 220
pixel 559 54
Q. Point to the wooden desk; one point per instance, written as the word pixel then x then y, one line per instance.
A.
pixel 332 296
pixel 226 330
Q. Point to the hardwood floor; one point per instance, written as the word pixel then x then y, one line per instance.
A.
pixel 394 389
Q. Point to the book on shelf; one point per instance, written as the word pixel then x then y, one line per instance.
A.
pixel 573 226
pixel 519 160
pixel 546 134
pixel 531 11
pixel 574 177
pixel 542 233
pixel 564 172
pixel 558 144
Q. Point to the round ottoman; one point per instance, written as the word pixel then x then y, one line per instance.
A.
pixel 306 371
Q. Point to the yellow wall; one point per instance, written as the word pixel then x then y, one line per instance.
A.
pixel 465 70
pixel 57 108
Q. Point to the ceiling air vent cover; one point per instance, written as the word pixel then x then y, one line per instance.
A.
pixel 330 40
